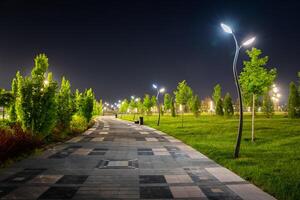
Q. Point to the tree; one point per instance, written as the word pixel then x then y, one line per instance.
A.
pixel 167 102
pixel 97 108
pixel 255 79
pixel 133 107
pixel 195 105
pixel 14 90
pixel 268 106
pixel 183 94
pixel 219 107
pixel 36 103
pixel 64 110
pixel 6 99
pixel 154 101
pixel 124 106
pixel 293 103
pixel 87 104
pixel 217 93
pixel 228 106
pixel 173 110
pixel 140 106
pixel 147 103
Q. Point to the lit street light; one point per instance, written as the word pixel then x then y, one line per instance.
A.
pixel 161 90
pixel 227 29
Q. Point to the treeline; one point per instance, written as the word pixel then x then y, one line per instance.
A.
pixel 41 106
pixel 294 99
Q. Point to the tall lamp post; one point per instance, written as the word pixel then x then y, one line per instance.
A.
pixel 227 29
pixel 161 90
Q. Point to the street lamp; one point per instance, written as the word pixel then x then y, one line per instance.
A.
pixel 227 29
pixel 161 90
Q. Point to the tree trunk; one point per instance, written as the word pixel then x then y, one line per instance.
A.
pixel 253 114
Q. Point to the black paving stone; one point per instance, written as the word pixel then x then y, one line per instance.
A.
pixel 144 149
pixel 4 190
pixel 72 179
pixel 59 193
pixel 140 139
pixel 145 153
pixel 152 179
pixel 155 192
pixel 97 153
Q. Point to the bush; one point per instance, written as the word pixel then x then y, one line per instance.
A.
pixel 15 142
pixel 78 124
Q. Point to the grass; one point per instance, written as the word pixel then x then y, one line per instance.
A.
pixel 272 162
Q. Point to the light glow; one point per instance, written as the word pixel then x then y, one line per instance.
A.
pixel 154 86
pixel 162 90
pixel 226 28
pixel 248 42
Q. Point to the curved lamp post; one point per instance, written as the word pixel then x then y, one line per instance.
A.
pixel 161 90
pixel 227 29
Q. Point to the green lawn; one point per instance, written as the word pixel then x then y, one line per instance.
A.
pixel 272 162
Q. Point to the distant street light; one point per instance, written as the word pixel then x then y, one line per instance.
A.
pixel 227 29
pixel 161 90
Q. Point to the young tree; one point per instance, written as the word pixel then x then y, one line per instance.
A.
pixel 36 102
pixel 293 103
pixel 87 104
pixel 140 106
pixel 228 106
pixel 167 102
pixel 217 93
pixel 154 101
pixel 173 109
pixel 268 106
pixel 219 107
pixel 124 106
pixel 183 94
pixel 255 79
pixel 148 104
pixel 133 107
pixel 14 90
pixel 64 110
pixel 195 105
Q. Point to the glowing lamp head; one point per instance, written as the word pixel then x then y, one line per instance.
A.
pixel 226 28
pixel 248 42
pixel 154 86
pixel 132 97
pixel 162 90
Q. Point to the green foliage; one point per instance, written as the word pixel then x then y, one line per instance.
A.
pixel 183 94
pixel 173 110
pixel 14 91
pixel 228 106
pixel 6 99
pixel 140 106
pixel 87 104
pixel 293 103
pixel 65 106
pixel 153 100
pixel 148 104
pixel 132 105
pixel 97 108
pixel 255 78
pixel 195 105
pixel 268 106
pixel 78 123
pixel 219 107
pixel 124 106
pixel 36 103
pixel 217 93
pixel 167 102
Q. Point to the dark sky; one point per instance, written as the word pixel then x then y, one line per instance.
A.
pixel 120 48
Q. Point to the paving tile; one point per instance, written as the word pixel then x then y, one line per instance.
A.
pixel 151 139
pixel 59 193
pixel 178 179
pixel 187 192
pixel 146 179
pixel 23 176
pixel 82 151
pixel 155 192
pixel 26 192
pixel 118 163
pixel 97 139
pixel 4 190
pixel 72 179
pixel 144 132
pixel 250 192
pixel 103 133
pixel 223 174
pixel 50 179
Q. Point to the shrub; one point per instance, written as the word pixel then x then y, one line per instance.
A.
pixel 78 124
pixel 15 142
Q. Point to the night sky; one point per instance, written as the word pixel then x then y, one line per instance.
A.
pixel 119 48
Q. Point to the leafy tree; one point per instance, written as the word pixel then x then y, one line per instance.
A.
pixel 195 105
pixel 97 108
pixel 173 110
pixel 133 106
pixel 124 106
pixel 148 104
pixel 140 106
pixel 167 102
pixel 87 104
pixel 36 102
pixel 14 90
pixel 293 103
pixel 154 101
pixel 64 110
pixel 78 100
pixel 6 99
pixel 183 94
pixel 217 93
pixel 219 107
pixel 228 106
pixel 255 79
pixel 268 106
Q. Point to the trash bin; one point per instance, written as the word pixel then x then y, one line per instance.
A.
pixel 141 120
pixel 116 115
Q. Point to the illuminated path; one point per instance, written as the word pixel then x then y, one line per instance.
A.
pixel 117 159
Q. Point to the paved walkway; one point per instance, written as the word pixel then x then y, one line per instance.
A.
pixel 119 160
